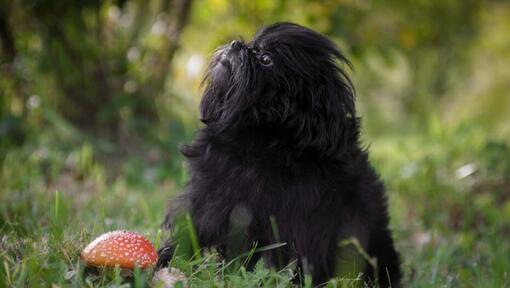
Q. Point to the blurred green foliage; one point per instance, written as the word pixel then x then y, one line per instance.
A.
pixel 96 96
pixel 101 65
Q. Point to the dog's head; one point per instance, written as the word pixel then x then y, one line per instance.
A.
pixel 287 79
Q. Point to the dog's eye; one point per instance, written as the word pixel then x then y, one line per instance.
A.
pixel 265 59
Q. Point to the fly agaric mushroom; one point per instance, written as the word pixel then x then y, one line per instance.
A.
pixel 120 248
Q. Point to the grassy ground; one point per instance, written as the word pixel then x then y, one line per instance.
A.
pixel 449 197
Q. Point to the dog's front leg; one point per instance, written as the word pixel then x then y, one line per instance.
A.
pixel 194 216
pixel 211 221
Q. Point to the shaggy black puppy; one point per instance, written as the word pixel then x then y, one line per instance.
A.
pixel 279 158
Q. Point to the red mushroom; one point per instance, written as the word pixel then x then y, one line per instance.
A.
pixel 120 248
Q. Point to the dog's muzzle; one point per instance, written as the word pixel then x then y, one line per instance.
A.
pixel 232 53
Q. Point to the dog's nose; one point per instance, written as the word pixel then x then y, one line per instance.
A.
pixel 236 44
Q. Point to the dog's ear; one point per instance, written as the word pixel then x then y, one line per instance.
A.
pixel 329 124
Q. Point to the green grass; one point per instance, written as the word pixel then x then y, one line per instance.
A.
pixel 449 197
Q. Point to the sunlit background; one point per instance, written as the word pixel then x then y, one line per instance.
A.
pixel 96 96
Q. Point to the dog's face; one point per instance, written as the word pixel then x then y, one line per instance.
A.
pixel 287 78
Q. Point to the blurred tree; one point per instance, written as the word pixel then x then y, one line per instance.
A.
pixel 11 127
pixel 108 59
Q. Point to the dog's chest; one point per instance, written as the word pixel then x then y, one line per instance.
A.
pixel 271 191
pixel 266 185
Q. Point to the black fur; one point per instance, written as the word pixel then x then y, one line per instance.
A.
pixel 280 141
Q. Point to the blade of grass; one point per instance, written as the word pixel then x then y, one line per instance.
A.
pixel 276 235
pixel 158 239
pixel 193 236
pixel 57 204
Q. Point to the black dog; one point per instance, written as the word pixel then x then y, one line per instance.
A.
pixel 279 155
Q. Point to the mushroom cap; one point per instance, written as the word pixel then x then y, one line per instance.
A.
pixel 120 248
